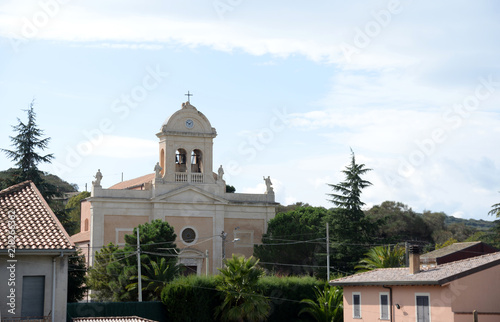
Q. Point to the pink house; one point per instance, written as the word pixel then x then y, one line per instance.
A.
pixel 448 292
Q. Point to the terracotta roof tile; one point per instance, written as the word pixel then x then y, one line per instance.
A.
pixel 132 183
pixel 436 276
pixel 36 225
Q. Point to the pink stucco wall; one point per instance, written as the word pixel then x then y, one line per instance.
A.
pixel 402 295
pixel 479 291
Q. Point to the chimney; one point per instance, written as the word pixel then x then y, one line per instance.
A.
pixel 414 259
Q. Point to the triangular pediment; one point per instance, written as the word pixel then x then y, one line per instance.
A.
pixel 190 194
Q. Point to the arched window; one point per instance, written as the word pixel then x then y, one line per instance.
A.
pixel 86 225
pixel 162 162
pixel 196 161
pixel 180 160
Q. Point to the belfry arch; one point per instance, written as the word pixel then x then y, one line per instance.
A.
pixel 186 142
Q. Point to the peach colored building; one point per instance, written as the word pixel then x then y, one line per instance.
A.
pixel 448 292
pixel 185 192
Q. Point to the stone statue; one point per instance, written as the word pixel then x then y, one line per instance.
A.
pixel 158 169
pixel 221 173
pixel 269 188
pixel 98 178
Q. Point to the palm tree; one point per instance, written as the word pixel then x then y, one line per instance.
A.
pixel 495 210
pixel 156 277
pixel 242 301
pixel 382 257
pixel 328 307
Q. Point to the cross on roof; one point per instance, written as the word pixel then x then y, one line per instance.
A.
pixel 188 95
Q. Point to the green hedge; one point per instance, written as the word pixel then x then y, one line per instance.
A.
pixel 195 298
pixel 191 298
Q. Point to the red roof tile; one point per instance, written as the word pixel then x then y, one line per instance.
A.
pixel 36 226
pixel 436 276
pixel 134 183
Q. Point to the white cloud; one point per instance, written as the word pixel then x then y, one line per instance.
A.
pixel 123 147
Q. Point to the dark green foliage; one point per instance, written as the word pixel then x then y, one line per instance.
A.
pixel 99 278
pixel 230 189
pixel 242 300
pixel 25 154
pixel 382 257
pixel 350 230
pixel 114 269
pixel 281 208
pixel 398 222
pixel 74 209
pixel 77 268
pixel 185 293
pixel 328 305
pixel 282 242
pixel 348 194
pixel 285 293
pixel 351 235
pixel 478 224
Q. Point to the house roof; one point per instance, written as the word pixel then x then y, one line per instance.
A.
pixel 36 226
pixel 133 183
pixel 453 248
pixel 83 236
pixel 436 276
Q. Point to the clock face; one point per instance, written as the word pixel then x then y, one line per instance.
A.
pixel 189 123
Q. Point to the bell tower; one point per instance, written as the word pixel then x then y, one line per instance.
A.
pixel 186 146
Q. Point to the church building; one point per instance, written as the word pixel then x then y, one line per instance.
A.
pixel 209 222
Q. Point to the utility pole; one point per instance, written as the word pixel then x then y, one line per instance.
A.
pixel 223 235
pixel 327 253
pixel 139 277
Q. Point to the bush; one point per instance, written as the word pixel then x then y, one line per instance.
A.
pixel 285 294
pixel 194 298
pixel 191 298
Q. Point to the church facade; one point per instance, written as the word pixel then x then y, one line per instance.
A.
pixel 209 222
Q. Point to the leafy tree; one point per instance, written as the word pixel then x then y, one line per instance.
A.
pixel 238 282
pixel 350 229
pixel 281 208
pixel 27 143
pixel 328 307
pixel 449 242
pixel 230 189
pixel 382 257
pixel 77 269
pixel 398 222
pixel 114 268
pixel 294 238
pixel 74 209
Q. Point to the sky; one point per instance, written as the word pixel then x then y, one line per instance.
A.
pixel 412 87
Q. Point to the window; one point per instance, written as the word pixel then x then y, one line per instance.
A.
pixel 33 296
pixel 384 306
pixel 356 305
pixel 188 235
pixel 422 303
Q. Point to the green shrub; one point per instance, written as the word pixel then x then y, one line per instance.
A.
pixel 195 298
pixel 191 298
pixel 285 294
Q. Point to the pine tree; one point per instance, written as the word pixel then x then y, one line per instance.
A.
pixel 349 191
pixel 350 230
pixel 25 154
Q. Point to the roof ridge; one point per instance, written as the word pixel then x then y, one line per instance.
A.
pixel 470 259
pixel 16 187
